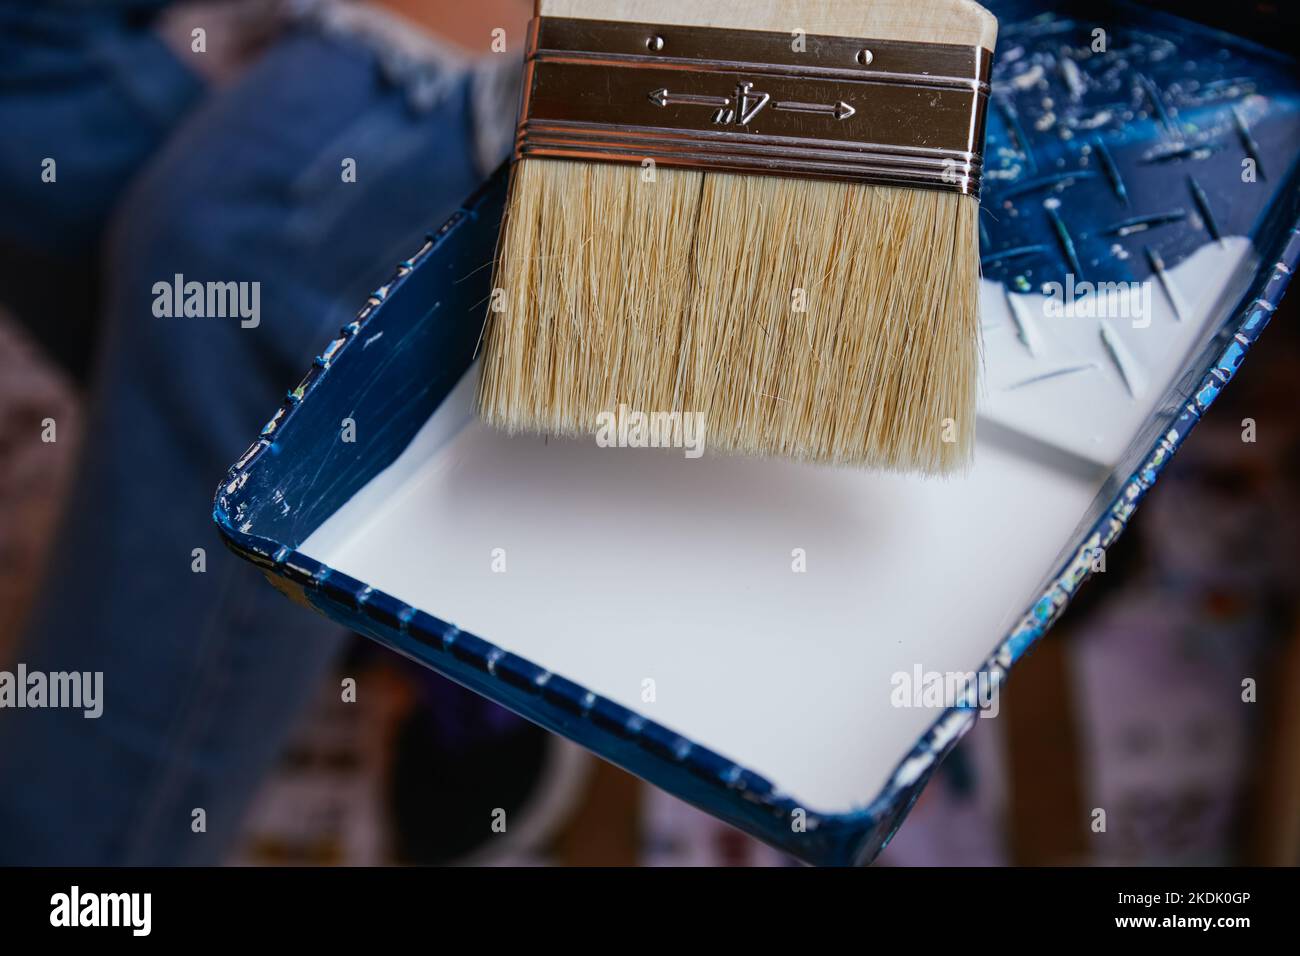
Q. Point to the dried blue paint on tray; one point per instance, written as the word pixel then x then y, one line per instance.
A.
pixel 1113 165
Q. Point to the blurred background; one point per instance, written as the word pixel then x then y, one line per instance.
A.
pixel 1203 587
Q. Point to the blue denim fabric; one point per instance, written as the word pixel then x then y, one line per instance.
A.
pixel 204 673
pixel 95 91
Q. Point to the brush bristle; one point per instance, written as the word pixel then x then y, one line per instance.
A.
pixel 819 321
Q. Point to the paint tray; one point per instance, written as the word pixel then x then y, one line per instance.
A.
pixel 733 630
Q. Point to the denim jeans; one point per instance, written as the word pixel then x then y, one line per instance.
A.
pixel 203 671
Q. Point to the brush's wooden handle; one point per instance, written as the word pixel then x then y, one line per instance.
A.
pixel 925 21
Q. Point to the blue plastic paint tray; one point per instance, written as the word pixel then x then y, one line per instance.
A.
pixel 736 631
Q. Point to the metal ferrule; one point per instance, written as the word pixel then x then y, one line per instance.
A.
pixel 871 111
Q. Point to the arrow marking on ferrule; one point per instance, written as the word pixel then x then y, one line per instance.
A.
pixel 661 97
pixel 840 110
pixel 741 108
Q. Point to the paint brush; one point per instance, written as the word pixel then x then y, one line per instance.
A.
pixel 761 211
